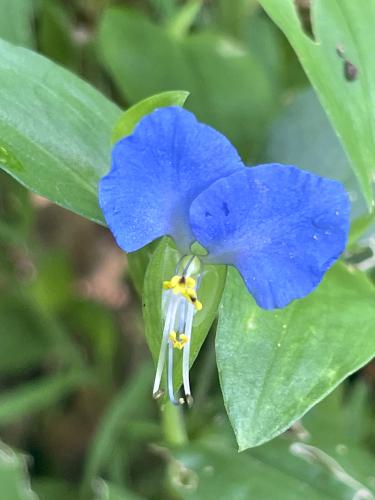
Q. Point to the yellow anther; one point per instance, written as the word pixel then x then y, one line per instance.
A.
pixel 191 295
pixel 198 305
pixel 171 283
pixel 179 284
pixel 179 341
pixel 184 285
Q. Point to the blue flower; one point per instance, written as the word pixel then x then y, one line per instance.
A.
pixel 280 226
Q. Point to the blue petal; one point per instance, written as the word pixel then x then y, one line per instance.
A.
pixel 280 226
pixel 157 172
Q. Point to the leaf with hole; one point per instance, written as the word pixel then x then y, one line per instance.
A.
pixel 344 38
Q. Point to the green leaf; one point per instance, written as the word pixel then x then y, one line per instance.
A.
pixel 340 426
pixel 323 463
pixel 275 365
pixel 364 223
pixel 162 267
pixel 141 57
pixel 15 22
pixel 180 24
pixel 202 472
pixel 346 26
pixel 233 16
pixel 53 489
pixel 54 130
pixel 14 480
pixel 272 471
pixel 34 396
pixel 131 116
pixel 239 105
pixel 123 407
pixel 108 491
pixel 55 39
pixel 16 215
pixel 23 344
pixel 318 472
pixel 144 59
pixel 98 330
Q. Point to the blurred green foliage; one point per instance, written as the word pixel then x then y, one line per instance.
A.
pixel 76 411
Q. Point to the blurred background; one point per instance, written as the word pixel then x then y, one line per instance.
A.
pixel 76 414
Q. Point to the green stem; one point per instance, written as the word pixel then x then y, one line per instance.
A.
pixel 173 425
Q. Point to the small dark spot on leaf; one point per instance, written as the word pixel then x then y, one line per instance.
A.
pixel 225 209
pixel 350 71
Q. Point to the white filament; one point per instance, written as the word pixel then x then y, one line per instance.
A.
pixel 170 374
pixel 168 326
pixel 179 314
pixel 180 317
pixel 186 353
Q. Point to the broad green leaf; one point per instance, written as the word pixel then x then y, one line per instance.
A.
pixel 162 267
pixel 340 426
pixel 272 471
pixel 34 396
pixel 55 34
pixel 131 116
pixel 266 42
pixel 54 130
pixel 14 480
pixel 144 59
pixel 346 26
pixel 16 21
pixel 238 105
pixel 335 441
pixel 323 475
pixel 275 365
pixel 319 461
pixel 202 472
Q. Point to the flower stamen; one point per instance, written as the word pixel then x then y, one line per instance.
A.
pixel 180 295
pixel 168 325
pixel 178 340
pixel 185 286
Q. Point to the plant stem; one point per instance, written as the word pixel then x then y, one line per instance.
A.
pixel 173 425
